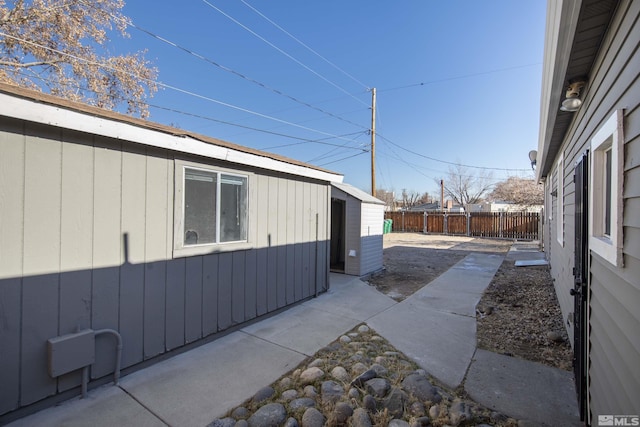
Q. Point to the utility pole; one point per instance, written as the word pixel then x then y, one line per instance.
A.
pixel 442 194
pixel 373 142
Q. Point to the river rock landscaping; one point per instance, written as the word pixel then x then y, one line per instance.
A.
pixel 359 380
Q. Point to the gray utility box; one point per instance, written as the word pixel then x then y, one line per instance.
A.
pixel 71 352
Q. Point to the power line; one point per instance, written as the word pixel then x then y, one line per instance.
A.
pixel 331 153
pixel 230 70
pixel 466 76
pixel 311 120
pixel 332 156
pixel 199 116
pixel 447 162
pixel 320 141
pixel 306 46
pixel 174 88
pixel 412 166
pixel 417 168
pixel 303 140
pixel 238 74
pixel 339 160
pixel 282 51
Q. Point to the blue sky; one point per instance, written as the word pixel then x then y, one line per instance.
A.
pixel 457 81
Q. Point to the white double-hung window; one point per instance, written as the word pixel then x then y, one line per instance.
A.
pixel 211 208
pixel 606 199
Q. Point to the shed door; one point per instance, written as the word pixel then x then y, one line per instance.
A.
pixel 338 208
pixel 581 282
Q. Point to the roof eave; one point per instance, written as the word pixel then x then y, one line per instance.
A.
pixel 29 105
pixel 357 193
pixel 562 22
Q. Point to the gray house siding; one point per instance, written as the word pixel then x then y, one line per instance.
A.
pixel 86 241
pixel 363 229
pixel 371 242
pixel 352 237
pixel 560 246
pixel 614 303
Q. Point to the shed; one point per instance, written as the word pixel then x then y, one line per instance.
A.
pixel 357 220
pixel 589 160
pixel 167 237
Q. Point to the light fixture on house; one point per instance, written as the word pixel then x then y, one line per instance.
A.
pixel 572 100
pixel 533 155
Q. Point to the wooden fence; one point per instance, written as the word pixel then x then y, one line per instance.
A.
pixel 506 225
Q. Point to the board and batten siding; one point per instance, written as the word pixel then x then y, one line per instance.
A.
pixel 559 248
pixel 614 303
pixel 86 241
pixel 352 236
pixel 364 220
pixel 371 237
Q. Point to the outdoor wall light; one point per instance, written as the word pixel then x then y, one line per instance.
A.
pixel 573 102
pixel 533 155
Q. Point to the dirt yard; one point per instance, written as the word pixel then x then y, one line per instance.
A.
pixel 518 314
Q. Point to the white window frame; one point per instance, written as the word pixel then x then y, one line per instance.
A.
pixel 609 137
pixel 560 201
pixel 548 198
pixel 182 250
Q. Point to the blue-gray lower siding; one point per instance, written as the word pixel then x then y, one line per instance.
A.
pixel 156 307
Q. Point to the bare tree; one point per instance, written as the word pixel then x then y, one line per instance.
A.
pixel 60 46
pixel 425 198
pixel 414 198
pixel 465 187
pixel 388 197
pixel 521 191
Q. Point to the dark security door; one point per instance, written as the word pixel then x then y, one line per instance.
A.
pixel 581 282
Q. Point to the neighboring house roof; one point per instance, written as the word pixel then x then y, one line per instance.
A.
pixel 433 207
pixel 575 30
pixel 425 207
pixel 34 106
pixel 357 193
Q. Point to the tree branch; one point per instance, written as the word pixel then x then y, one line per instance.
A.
pixel 29 64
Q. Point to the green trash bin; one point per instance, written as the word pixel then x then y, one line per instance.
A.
pixel 388 224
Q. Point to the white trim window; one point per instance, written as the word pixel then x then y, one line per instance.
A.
pixel 560 201
pixel 605 198
pixel 211 209
pixel 549 199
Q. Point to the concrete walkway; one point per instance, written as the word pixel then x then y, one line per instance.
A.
pixel 436 327
pixel 195 387
pixel 522 389
pixel 439 320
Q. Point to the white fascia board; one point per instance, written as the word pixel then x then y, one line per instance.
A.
pixel 561 24
pixel 17 108
pixel 357 193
